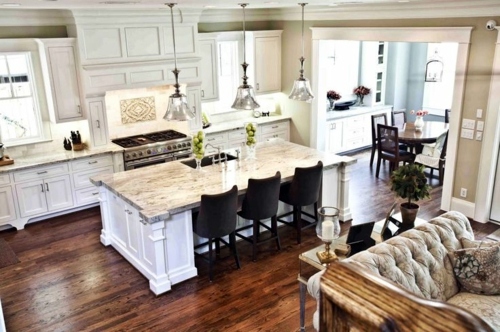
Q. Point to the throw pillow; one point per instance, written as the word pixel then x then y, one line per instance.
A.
pixel 466 243
pixel 476 269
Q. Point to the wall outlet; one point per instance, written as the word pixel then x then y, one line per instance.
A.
pixel 467 133
pixel 480 125
pixel 479 135
pixel 463 192
pixel 468 123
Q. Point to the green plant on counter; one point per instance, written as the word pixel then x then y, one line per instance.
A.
pixel 409 182
pixel 198 149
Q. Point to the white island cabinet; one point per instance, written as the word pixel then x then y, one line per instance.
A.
pixel 148 219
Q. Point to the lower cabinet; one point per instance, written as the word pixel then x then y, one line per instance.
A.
pixel 52 194
pixel 7 207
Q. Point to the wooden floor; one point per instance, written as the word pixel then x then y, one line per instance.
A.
pixel 68 281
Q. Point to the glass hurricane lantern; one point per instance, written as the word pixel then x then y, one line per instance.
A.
pixel 327 229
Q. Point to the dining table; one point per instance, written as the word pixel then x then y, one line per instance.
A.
pixel 428 134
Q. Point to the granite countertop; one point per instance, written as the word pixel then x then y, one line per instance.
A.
pixel 334 115
pixel 238 124
pixel 164 189
pixel 39 159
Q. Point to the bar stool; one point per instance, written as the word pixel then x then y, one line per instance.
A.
pixel 216 219
pixel 259 203
pixel 302 191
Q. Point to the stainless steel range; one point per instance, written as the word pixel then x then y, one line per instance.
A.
pixel 154 148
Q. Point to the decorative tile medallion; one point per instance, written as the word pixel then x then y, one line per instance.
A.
pixel 138 109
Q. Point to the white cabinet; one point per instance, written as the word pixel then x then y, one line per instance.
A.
pixel 7 207
pixel 267 61
pixel 373 71
pixel 208 66
pixel 60 70
pixel 275 130
pixel 97 121
pixel 194 101
pixel 85 168
pixel 41 196
pixel 351 132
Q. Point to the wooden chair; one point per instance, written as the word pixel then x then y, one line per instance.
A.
pixel 217 219
pixel 376 119
pixel 388 148
pixel 447 115
pixel 434 156
pixel 398 118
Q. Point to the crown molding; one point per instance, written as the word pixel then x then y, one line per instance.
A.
pixel 136 16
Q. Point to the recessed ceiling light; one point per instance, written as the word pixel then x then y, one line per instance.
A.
pixel 11 4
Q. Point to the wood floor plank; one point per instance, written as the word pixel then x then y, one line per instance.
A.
pixel 67 280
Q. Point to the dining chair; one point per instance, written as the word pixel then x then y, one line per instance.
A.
pixel 260 203
pixel 398 118
pixel 388 148
pixel 447 115
pixel 434 156
pixel 217 219
pixel 304 190
pixel 376 119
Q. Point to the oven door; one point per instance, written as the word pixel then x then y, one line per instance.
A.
pixel 129 165
pixel 182 155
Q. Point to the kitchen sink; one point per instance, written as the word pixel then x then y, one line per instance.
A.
pixel 208 160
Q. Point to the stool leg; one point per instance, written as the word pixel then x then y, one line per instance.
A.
pixel 217 247
pixel 274 227
pixel 298 223
pixel 210 262
pixel 254 239
pixel 316 211
pixel 232 242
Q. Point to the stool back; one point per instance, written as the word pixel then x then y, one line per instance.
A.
pixel 305 186
pixel 261 199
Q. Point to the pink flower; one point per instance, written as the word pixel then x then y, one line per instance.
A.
pixel 333 95
pixel 419 112
pixel 361 91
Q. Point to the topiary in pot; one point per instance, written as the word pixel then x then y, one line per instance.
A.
pixel 409 182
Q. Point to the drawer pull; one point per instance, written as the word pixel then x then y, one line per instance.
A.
pixel 129 212
pixel 41 184
pixel 98 124
pixel 274 127
pixel 47 185
pixel 142 222
pixel 97 193
pixel 93 162
pixel 40 173
pixel 211 139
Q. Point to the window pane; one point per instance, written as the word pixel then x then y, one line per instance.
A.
pixel 5 91
pixel 18 119
pixel 19 73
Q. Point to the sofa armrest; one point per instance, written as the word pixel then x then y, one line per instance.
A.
pixel 353 297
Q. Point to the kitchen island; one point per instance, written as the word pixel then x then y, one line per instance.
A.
pixel 147 212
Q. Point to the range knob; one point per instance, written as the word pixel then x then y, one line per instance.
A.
pixel 127 156
pixel 134 155
pixel 148 151
pixel 179 146
pixel 188 143
pixel 159 150
pixel 183 145
pixel 169 147
pixel 140 153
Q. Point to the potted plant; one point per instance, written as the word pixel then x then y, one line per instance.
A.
pixel 361 91
pixel 409 182
pixel 332 96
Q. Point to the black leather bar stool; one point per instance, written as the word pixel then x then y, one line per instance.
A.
pixel 260 203
pixel 216 219
pixel 302 191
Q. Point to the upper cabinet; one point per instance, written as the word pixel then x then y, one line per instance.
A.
pixel 209 69
pixel 267 60
pixel 60 70
pixel 374 71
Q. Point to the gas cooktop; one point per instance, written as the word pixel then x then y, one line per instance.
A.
pixel 138 140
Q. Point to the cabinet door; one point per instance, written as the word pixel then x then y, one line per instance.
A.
pixel 58 192
pixel 118 213
pixel 280 134
pixel 133 230
pixel 267 64
pixel 65 85
pixel 97 121
pixel 194 101
pixel 334 141
pixel 31 198
pixel 7 208
pixel 208 65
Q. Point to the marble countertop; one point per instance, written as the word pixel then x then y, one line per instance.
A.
pixel 238 124
pixel 164 189
pixel 39 159
pixel 353 111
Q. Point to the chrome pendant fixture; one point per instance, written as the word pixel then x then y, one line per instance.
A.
pixel 301 90
pixel 434 68
pixel 178 108
pixel 245 96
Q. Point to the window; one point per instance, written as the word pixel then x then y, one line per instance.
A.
pixel 20 120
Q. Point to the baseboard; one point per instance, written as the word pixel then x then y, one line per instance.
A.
pixel 464 207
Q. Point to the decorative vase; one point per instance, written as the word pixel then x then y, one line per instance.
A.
pixel 360 100
pixel 331 101
pixel 251 129
pixel 198 163
pixel 408 215
pixel 251 152
pixel 419 123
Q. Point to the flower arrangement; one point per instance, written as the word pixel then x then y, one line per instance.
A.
pixel 333 95
pixel 419 112
pixel 361 91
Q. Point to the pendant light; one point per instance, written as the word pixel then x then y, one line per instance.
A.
pixel 301 90
pixel 245 96
pixel 434 68
pixel 178 108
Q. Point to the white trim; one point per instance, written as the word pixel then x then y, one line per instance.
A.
pixel 465 207
pixel 431 34
pixel 491 141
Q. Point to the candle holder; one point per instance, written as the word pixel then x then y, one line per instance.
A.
pixel 327 229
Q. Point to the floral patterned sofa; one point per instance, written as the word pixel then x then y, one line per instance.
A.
pixel 419 261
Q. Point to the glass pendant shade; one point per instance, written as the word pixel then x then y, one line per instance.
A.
pixel 178 108
pixel 434 69
pixel 245 96
pixel 301 90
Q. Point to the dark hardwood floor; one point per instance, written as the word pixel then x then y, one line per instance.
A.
pixel 68 281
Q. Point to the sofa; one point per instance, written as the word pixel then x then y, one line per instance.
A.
pixel 406 283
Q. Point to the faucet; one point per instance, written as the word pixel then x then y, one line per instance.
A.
pixel 215 147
